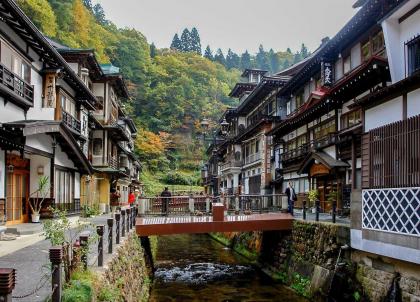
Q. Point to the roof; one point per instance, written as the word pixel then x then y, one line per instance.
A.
pixel 23 26
pixel 110 69
pixel 113 74
pixel 240 88
pixel 253 70
pixel 323 158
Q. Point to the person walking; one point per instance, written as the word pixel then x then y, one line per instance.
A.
pixel 291 197
pixel 166 195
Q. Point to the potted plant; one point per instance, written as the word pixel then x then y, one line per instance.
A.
pixel 38 197
pixel 313 196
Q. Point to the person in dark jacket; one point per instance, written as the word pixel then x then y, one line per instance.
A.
pixel 291 198
pixel 166 195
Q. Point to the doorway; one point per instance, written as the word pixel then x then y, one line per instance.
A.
pixel 17 190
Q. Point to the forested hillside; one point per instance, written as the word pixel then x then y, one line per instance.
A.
pixel 171 90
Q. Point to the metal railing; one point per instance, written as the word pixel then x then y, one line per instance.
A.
pixel 70 121
pixel 16 85
pixel 176 205
pixel 254 203
pixel 202 205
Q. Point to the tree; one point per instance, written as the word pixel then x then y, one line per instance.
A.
pixel 261 59
pixel 99 14
pixel 274 61
pixel 195 41
pixel 186 43
pixel 288 50
pixel 41 14
pixel 245 60
pixel 152 50
pixel 176 43
pixel 208 53
pixel 88 4
pixel 219 57
pixel 232 60
pixel 80 19
pixel 304 51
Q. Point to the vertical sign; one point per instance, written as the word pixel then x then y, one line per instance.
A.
pixel 327 74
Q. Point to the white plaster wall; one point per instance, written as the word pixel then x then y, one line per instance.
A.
pixel 37 112
pixel 397 34
pixel 356 59
pixel 383 114
pixel 338 69
pixel 301 130
pixel 41 142
pixel 413 103
pixel 2 173
pixel 77 185
pixel 36 161
pixel 330 151
pixel 345 107
pixel 62 159
pixel 10 112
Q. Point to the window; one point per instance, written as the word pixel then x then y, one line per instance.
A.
pixel 378 43
pixel 289 107
pixel 13 61
pixel 324 129
pixel 64 187
pixel 346 64
pixel 97 146
pixel 257 146
pixel 299 99
pixel 366 53
pixel 350 119
pixel 413 55
pixel 68 104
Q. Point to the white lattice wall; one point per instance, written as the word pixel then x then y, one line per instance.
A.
pixel 392 210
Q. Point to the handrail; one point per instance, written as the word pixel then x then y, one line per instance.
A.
pixel 16 85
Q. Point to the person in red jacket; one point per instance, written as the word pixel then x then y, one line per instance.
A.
pixel 131 198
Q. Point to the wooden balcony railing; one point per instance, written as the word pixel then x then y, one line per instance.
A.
pixel 231 164
pixel 113 162
pixel 70 121
pixel 295 153
pixel 326 140
pixel 252 158
pixel 16 87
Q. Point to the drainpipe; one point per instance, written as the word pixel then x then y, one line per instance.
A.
pixel 52 168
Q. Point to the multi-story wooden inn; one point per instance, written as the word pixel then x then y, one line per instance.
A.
pixel 47 121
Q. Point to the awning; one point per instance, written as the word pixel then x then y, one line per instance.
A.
pixel 324 162
pixel 63 136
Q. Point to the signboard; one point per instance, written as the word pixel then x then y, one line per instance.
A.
pixel 327 74
pixel 318 170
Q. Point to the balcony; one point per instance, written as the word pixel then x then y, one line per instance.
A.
pixel 113 163
pixel 295 153
pixel 16 88
pixel 229 164
pixel 252 158
pixel 70 121
pixel 303 150
pixel 329 139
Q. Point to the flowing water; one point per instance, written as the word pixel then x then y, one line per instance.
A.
pixel 197 268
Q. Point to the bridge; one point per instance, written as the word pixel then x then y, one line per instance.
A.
pixel 202 214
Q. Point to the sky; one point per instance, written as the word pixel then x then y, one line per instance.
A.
pixel 237 24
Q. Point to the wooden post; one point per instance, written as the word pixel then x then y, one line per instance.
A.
pixel 122 223
pixel 110 222
pixel 304 209
pixel 56 258
pixel 7 283
pixel 128 212
pixel 117 228
pixel 100 231
pixel 334 211
pixel 317 210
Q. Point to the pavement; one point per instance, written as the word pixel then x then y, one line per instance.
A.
pixel 323 217
pixel 28 254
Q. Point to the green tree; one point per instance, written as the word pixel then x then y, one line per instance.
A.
pixel 186 42
pixel 245 60
pixel 288 50
pixel 219 57
pixel 195 41
pixel 304 51
pixel 232 60
pixel 152 50
pixel 99 14
pixel 274 61
pixel 261 59
pixel 41 14
pixel 176 43
pixel 208 53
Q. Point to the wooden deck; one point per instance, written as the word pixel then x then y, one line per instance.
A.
pixel 147 226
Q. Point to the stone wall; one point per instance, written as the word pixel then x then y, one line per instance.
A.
pixel 129 272
pixel 380 276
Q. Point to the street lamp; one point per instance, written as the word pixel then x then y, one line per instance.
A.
pixel 205 124
pixel 224 125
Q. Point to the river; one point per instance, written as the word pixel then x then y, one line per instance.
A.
pixel 197 268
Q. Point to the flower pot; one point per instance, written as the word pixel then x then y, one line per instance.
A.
pixel 35 217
